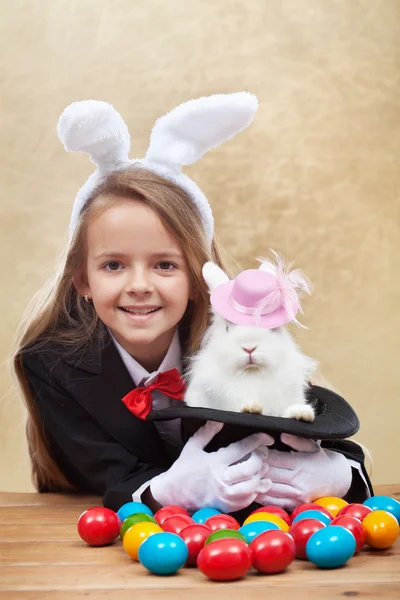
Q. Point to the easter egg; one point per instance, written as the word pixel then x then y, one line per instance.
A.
pixel 262 516
pixel 274 510
pixel 273 551
pixel 382 529
pixel 194 537
pixel 359 511
pixel 331 503
pixel 313 514
pixel 222 522
pixel 253 529
pixel 301 531
pixel 168 511
pixel 390 505
pixel 136 535
pixel 201 515
pixel 355 526
pixel 331 547
pixel 175 523
pixel 97 526
pixel 163 553
pixel 131 508
pixel 132 520
pixel 225 560
pixel 225 533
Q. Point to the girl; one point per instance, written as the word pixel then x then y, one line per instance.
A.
pixel 126 309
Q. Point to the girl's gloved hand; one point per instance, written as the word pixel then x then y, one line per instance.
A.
pixel 303 476
pixel 200 479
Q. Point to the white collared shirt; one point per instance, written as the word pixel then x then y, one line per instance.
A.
pixel 169 431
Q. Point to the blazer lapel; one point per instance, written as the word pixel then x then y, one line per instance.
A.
pixel 99 380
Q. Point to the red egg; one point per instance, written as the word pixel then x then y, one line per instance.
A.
pixel 194 537
pixel 310 506
pixel 355 526
pixel 167 511
pixel 225 560
pixel 275 510
pixel 359 511
pixel 175 523
pixel 273 551
pixel 217 522
pixel 301 531
pixel 99 526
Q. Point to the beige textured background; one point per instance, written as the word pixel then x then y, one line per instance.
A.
pixel 316 176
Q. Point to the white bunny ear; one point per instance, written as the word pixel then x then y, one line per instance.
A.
pixel 97 128
pixel 183 135
pixel 213 275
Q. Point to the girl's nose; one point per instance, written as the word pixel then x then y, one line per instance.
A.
pixel 139 282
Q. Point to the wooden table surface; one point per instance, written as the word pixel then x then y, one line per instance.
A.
pixel 41 556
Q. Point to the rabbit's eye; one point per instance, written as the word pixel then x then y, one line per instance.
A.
pixel 226 328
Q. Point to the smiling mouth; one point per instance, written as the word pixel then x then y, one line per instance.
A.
pixel 140 311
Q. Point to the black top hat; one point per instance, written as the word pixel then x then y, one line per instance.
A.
pixel 334 419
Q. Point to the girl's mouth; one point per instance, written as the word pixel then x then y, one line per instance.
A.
pixel 142 314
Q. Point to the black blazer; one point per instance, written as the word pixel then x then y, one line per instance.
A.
pixel 100 446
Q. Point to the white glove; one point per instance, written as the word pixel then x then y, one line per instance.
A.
pixel 200 479
pixel 303 476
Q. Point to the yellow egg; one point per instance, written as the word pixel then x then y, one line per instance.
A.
pixel 331 503
pixel 266 516
pixel 136 534
pixel 382 529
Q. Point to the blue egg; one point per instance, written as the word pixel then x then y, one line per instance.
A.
pixel 313 514
pixel 131 508
pixel 331 547
pixel 163 553
pixel 390 505
pixel 201 515
pixel 252 530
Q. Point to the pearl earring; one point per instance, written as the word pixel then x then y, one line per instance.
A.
pixel 87 299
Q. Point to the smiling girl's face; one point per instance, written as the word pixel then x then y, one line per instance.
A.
pixel 137 278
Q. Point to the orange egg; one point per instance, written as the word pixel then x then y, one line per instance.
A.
pixel 136 534
pixel 382 529
pixel 265 516
pixel 331 503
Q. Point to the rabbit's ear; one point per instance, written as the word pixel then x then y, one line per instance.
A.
pixel 182 136
pixel 95 127
pixel 213 275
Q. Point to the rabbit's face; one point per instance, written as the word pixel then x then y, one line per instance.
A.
pixel 237 348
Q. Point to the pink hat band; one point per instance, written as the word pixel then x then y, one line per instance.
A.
pixel 257 298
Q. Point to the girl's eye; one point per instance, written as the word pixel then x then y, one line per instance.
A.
pixel 166 266
pixel 112 266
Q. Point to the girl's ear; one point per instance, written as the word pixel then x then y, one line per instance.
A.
pixel 213 275
pixel 80 282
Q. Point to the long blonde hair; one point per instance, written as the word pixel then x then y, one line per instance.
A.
pixel 59 314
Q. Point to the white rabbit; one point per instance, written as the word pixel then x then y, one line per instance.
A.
pixel 248 368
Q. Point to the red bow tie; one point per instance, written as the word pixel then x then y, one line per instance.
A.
pixel 139 400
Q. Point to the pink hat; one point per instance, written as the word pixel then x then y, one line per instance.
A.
pixel 260 298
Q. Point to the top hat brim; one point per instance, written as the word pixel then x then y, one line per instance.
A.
pixel 335 419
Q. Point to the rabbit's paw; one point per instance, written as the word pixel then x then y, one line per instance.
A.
pixel 301 412
pixel 252 407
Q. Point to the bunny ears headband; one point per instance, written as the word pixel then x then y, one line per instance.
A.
pixel 179 138
pixel 267 297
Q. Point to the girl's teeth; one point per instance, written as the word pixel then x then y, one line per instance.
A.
pixel 140 312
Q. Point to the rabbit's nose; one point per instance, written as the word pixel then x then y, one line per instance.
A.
pixel 249 350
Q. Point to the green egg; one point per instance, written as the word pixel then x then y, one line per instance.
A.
pixel 225 533
pixel 132 520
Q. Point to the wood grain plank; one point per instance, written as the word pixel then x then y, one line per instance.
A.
pixel 33 499
pixel 225 591
pixel 382 570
